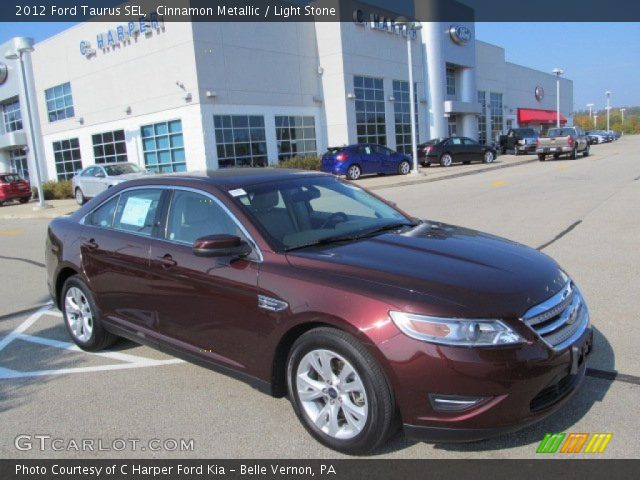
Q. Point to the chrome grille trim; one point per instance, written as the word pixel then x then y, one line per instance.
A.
pixel 560 320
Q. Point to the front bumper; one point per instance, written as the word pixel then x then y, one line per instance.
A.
pixel 523 384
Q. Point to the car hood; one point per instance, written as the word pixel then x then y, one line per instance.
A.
pixel 442 269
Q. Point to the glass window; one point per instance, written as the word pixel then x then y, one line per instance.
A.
pixel 137 211
pixel 103 215
pixel 495 109
pixel 482 118
pixel 109 147
pixel 163 147
pixel 240 140
pixel 67 158
pixel 18 163
pixel 370 110
pixel 402 113
pixel 452 125
pixel 451 81
pixel 296 136
pixel 193 215
pixel 12 116
pixel 59 102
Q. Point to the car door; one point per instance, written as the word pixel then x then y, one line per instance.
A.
pixel 86 181
pixel 473 151
pixel 457 149
pixel 101 181
pixel 371 160
pixel 208 306
pixel 115 245
pixel 389 160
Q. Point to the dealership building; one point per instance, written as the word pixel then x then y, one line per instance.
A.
pixel 175 96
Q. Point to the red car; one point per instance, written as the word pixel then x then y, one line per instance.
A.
pixel 12 187
pixel 305 285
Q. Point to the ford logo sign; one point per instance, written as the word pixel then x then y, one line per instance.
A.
pixel 4 73
pixel 539 93
pixel 460 34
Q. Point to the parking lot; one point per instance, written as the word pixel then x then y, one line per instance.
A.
pixel 582 212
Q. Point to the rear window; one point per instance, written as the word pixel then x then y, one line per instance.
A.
pixel 9 178
pixel 335 150
pixel 525 132
pixel 561 132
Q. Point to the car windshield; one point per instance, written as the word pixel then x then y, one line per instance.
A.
pixel 308 211
pixel 115 170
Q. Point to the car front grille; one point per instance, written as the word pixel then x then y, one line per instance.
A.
pixel 560 320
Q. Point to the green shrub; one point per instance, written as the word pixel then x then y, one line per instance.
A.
pixel 304 163
pixel 55 190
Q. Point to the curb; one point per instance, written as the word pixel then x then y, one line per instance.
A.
pixel 454 175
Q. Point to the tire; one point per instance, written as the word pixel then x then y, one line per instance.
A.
pixel 351 433
pixel 489 157
pixel 81 316
pixel 404 168
pixel 586 151
pixel 25 199
pixel 556 156
pixel 354 172
pixel 446 160
pixel 516 152
pixel 574 153
pixel 542 157
pixel 80 198
pixel 426 165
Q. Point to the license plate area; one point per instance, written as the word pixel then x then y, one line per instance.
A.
pixel 579 353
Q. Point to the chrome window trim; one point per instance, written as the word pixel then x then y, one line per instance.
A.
pixel 242 228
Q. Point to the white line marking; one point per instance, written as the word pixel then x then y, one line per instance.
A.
pixel 131 361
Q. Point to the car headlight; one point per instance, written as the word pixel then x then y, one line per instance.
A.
pixel 522 142
pixel 455 331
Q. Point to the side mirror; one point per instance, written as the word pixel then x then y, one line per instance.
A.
pixel 221 246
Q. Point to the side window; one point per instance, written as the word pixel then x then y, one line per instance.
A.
pixel 456 141
pixel 89 172
pixel 137 211
pixel 98 172
pixel 193 215
pixel 468 141
pixel 365 150
pixel 103 215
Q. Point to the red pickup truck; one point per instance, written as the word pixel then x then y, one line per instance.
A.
pixel 12 187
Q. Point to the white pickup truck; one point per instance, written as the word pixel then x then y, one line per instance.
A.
pixel 562 141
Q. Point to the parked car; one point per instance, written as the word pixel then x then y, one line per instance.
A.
pixel 364 159
pixel 562 141
pixel 448 151
pixel 597 137
pixel 520 140
pixel 12 187
pixel 96 179
pixel 305 285
pixel 613 134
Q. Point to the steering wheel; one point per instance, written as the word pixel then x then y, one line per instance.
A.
pixel 334 219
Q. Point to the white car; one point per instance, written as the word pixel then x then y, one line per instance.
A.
pixel 93 180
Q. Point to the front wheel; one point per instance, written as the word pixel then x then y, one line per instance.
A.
pixel 80 200
pixel 339 392
pixel 404 168
pixel 25 199
pixel 586 151
pixel 354 172
pixel 542 157
pixel 446 160
pixel 81 316
pixel 488 157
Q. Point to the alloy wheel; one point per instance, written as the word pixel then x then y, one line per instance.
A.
pixel 446 160
pixel 78 314
pixel 488 157
pixel 354 172
pixel 332 394
pixel 405 168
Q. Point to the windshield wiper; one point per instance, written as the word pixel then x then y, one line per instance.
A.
pixel 355 236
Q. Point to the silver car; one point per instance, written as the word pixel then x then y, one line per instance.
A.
pixel 93 180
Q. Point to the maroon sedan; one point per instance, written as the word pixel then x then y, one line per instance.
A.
pixel 305 285
pixel 12 187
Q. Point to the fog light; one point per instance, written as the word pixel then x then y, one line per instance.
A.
pixel 455 403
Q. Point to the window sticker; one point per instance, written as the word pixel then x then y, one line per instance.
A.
pixel 238 192
pixel 136 211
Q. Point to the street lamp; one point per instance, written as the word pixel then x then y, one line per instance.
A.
pixel 411 26
pixel 622 110
pixel 608 95
pixel 557 71
pixel 595 121
pixel 590 107
pixel 25 45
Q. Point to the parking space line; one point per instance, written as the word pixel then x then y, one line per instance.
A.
pixel 23 327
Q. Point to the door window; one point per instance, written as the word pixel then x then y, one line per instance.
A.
pixel 137 211
pixel 468 141
pixel 193 215
pixel 103 215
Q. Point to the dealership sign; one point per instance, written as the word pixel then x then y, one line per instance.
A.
pixel 383 24
pixel 460 34
pixel 4 72
pixel 123 34
pixel 539 93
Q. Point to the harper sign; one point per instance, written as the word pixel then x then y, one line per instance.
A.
pixel 123 34
pixel 383 24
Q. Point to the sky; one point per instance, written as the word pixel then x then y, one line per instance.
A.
pixel 596 56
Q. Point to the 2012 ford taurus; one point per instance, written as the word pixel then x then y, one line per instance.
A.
pixel 305 285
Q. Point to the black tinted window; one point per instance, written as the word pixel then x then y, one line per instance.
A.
pixel 137 211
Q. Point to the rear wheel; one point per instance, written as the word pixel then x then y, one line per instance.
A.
pixel 574 153
pixel 542 157
pixel 488 157
pixel 404 168
pixel 80 200
pixel 586 151
pixel 81 316
pixel 354 172
pixel 339 392
pixel 25 199
pixel 446 160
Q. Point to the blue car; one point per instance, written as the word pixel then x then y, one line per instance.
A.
pixel 364 159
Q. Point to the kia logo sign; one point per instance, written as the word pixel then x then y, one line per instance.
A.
pixel 460 34
pixel 539 93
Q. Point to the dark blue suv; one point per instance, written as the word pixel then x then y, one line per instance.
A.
pixel 363 159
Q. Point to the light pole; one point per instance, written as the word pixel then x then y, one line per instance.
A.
pixel 622 110
pixel 608 95
pixel 590 107
pixel 558 72
pixel 30 115
pixel 409 27
pixel 595 121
